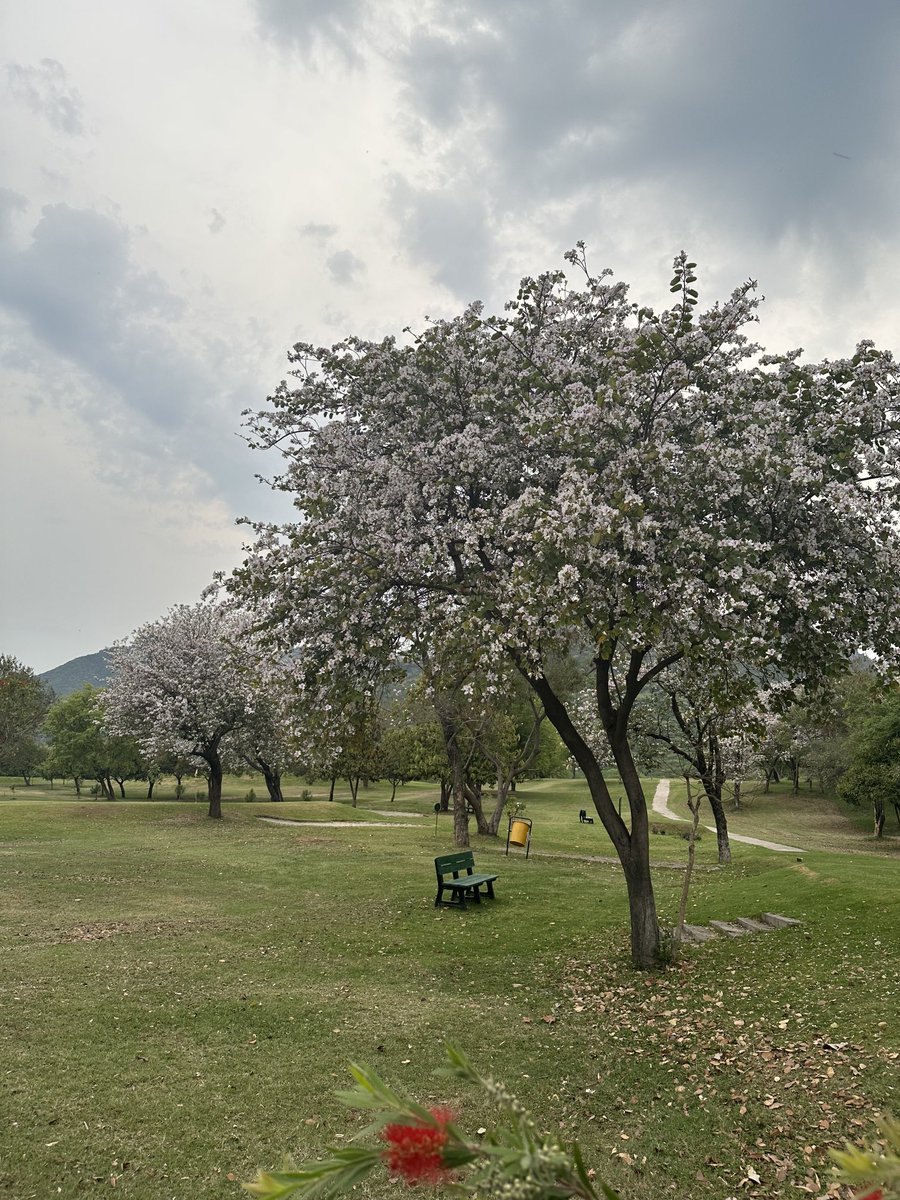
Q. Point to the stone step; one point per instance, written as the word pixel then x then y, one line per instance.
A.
pixel 728 929
pixel 754 926
pixel 777 921
pixel 697 933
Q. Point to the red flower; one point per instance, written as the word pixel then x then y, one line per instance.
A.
pixel 878 1194
pixel 415 1151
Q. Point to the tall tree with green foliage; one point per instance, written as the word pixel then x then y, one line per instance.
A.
pixel 81 747
pixel 873 774
pixel 24 701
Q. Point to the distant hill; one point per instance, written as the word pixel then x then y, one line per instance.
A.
pixel 73 675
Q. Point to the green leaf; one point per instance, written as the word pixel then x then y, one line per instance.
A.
pixel 609 1193
pixel 580 1169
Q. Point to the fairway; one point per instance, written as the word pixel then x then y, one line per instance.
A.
pixel 180 997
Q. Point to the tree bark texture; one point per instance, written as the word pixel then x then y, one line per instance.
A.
pixel 879 818
pixel 718 812
pixel 214 782
pixel 633 848
pixel 458 783
pixel 273 782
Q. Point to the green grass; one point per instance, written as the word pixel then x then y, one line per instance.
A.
pixel 809 819
pixel 181 997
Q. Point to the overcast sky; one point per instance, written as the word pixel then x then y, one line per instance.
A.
pixel 186 189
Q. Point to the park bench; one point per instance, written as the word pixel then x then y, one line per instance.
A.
pixel 584 818
pixel 456 875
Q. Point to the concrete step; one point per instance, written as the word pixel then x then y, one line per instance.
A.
pixel 728 929
pixel 777 921
pixel 697 933
pixel 754 926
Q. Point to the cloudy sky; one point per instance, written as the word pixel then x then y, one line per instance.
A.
pixel 186 189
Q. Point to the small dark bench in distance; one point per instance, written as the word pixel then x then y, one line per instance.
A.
pixel 584 818
pixel 464 881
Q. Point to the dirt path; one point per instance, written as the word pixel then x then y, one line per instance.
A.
pixel 661 806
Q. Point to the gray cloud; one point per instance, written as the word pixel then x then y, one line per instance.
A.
pixel 344 267
pixel 157 398
pixel 216 221
pixel 83 297
pixel 449 229
pixel 309 26
pixel 727 116
pixel 10 203
pixel 317 232
pixel 45 90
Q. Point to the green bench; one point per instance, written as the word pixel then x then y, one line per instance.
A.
pixel 456 875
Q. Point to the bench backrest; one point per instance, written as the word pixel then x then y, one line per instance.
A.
pixel 453 864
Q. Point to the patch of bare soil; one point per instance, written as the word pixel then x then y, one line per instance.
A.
pixel 101 931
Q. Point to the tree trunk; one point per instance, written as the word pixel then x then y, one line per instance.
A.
pixel 473 800
pixel 353 780
pixel 273 782
pixel 694 806
pixel 214 783
pixel 879 818
pixel 458 785
pixel 633 848
pixel 121 783
pixel 331 788
pixel 503 789
pixel 150 783
pixel 446 792
pixel 718 811
pixel 715 797
pixel 481 822
pixel 737 794
pixel 641 900
pixel 77 781
pixel 393 789
pixel 460 814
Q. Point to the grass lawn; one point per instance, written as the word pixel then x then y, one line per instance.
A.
pixel 814 821
pixel 180 997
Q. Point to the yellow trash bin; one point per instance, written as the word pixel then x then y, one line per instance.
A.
pixel 518 833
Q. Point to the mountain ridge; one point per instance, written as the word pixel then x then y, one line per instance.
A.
pixel 72 676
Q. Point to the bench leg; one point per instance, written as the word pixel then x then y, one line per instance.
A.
pixel 490 889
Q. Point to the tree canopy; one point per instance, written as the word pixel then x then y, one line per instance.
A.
pixel 24 701
pixel 80 747
pixel 582 475
pixel 181 684
pixel 873 770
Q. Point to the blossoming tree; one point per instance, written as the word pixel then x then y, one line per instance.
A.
pixel 582 475
pixel 180 685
